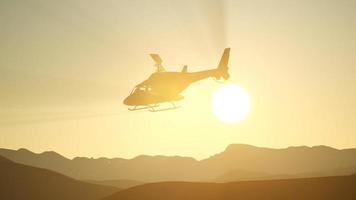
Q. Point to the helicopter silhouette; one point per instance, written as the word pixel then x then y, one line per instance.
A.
pixel 165 87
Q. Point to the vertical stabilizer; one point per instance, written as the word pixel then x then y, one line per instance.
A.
pixel 222 67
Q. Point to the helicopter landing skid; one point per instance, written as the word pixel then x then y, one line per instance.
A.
pixel 151 107
pixel 164 109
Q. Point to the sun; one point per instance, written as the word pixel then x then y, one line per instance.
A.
pixel 231 103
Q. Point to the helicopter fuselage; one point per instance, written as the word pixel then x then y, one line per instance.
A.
pixel 166 86
pixel 173 83
pixel 163 86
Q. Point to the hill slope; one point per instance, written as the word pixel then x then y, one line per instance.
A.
pixel 342 187
pixel 18 182
pixel 122 184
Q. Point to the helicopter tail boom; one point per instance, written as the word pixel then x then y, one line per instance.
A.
pixel 220 72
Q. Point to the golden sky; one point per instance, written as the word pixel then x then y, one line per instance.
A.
pixel 65 67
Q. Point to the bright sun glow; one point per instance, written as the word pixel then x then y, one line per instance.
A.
pixel 231 103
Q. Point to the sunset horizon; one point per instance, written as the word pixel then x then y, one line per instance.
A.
pixel 219 98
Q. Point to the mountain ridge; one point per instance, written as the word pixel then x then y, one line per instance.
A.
pixel 146 168
pixel 230 146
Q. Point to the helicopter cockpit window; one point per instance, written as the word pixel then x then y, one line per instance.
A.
pixel 141 89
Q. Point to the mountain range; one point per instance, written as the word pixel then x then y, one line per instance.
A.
pixel 236 162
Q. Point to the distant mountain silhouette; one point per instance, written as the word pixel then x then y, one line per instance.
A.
pixel 325 188
pixel 19 182
pixel 289 162
pixel 244 162
pixel 243 175
pixel 122 184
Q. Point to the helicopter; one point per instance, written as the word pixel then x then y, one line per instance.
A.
pixel 165 87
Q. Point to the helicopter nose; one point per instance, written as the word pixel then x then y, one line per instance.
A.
pixel 128 101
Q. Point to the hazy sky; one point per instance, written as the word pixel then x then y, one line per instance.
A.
pixel 66 66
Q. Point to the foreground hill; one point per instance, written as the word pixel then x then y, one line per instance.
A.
pixel 236 162
pixel 122 184
pixel 18 182
pixel 325 188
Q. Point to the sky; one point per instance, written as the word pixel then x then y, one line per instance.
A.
pixel 66 66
